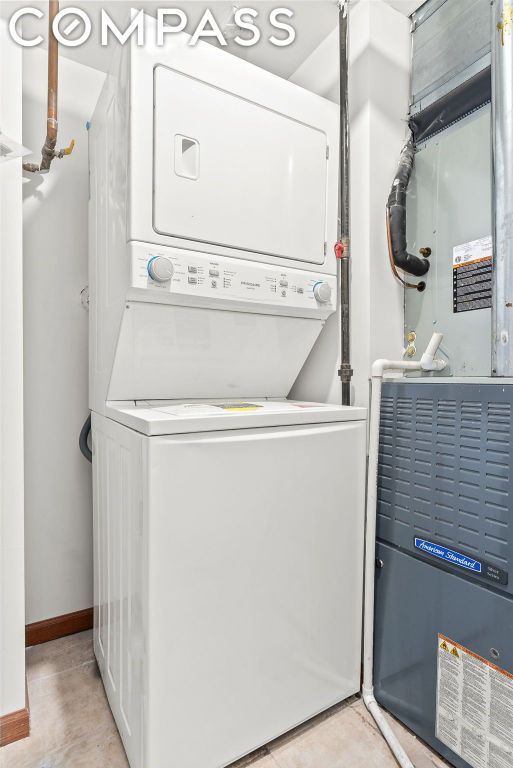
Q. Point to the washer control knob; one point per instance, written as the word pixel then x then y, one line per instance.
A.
pixel 322 292
pixel 160 269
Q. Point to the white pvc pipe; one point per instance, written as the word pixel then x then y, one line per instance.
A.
pixel 427 362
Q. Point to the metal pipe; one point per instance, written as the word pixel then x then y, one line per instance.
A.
pixel 342 249
pixel 502 161
pixel 48 152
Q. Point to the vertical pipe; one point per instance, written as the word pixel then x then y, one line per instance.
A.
pixel 502 121
pixel 53 73
pixel 48 151
pixel 345 372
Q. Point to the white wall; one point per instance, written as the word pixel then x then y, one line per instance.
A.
pixel 12 604
pixel 58 513
pixel 58 501
pixel 378 95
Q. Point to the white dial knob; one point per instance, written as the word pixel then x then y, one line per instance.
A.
pixel 160 269
pixel 322 292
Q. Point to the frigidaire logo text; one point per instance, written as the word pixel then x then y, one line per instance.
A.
pixel 72 27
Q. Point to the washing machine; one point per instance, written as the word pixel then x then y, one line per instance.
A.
pixel 228 554
pixel 228 518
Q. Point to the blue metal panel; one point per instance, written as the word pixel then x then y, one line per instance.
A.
pixel 445 472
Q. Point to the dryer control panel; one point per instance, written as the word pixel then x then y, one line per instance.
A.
pixel 189 274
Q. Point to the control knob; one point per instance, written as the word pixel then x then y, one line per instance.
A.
pixel 322 292
pixel 160 269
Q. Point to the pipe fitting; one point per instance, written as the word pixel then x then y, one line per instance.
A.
pixel 427 361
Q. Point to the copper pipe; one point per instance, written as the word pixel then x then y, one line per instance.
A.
pixel 48 153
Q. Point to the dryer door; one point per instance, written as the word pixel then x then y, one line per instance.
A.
pixel 230 172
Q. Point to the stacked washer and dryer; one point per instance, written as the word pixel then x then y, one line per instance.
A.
pixel 228 519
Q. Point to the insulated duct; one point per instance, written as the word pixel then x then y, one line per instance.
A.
pixel 396 220
pixel 502 141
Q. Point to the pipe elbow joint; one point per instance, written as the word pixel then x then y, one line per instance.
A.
pixel 414 265
pixel 430 364
pixel 378 368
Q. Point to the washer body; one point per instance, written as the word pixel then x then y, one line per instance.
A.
pixel 228 573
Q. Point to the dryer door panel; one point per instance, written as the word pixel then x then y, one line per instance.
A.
pixel 230 172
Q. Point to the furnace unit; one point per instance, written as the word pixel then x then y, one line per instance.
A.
pixel 444 585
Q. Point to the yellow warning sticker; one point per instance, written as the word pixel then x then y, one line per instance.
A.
pixel 474 706
pixel 239 406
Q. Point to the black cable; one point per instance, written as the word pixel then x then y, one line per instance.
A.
pixel 83 440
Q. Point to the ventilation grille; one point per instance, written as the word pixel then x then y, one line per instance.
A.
pixel 445 468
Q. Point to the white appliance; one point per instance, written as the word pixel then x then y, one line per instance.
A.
pixel 228 521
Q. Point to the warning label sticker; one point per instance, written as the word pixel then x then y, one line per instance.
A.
pixel 473 252
pixel 239 406
pixel 472 275
pixel 474 706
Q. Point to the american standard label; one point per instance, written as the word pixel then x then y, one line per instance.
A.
pixel 474 706
pixel 472 275
pixel 461 560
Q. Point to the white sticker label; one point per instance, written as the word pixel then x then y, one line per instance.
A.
pixel 473 252
pixel 474 707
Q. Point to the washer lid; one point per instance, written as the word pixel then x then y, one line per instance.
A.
pixel 166 417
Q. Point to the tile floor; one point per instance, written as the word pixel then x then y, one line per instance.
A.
pixel 71 724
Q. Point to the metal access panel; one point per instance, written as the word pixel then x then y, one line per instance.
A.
pixel 445 563
pixel 415 603
pixel 449 210
pixel 451 43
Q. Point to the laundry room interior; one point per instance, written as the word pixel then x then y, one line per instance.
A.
pixel 256 384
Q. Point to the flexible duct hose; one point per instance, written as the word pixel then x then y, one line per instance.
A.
pixel 396 208
pixel 83 440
